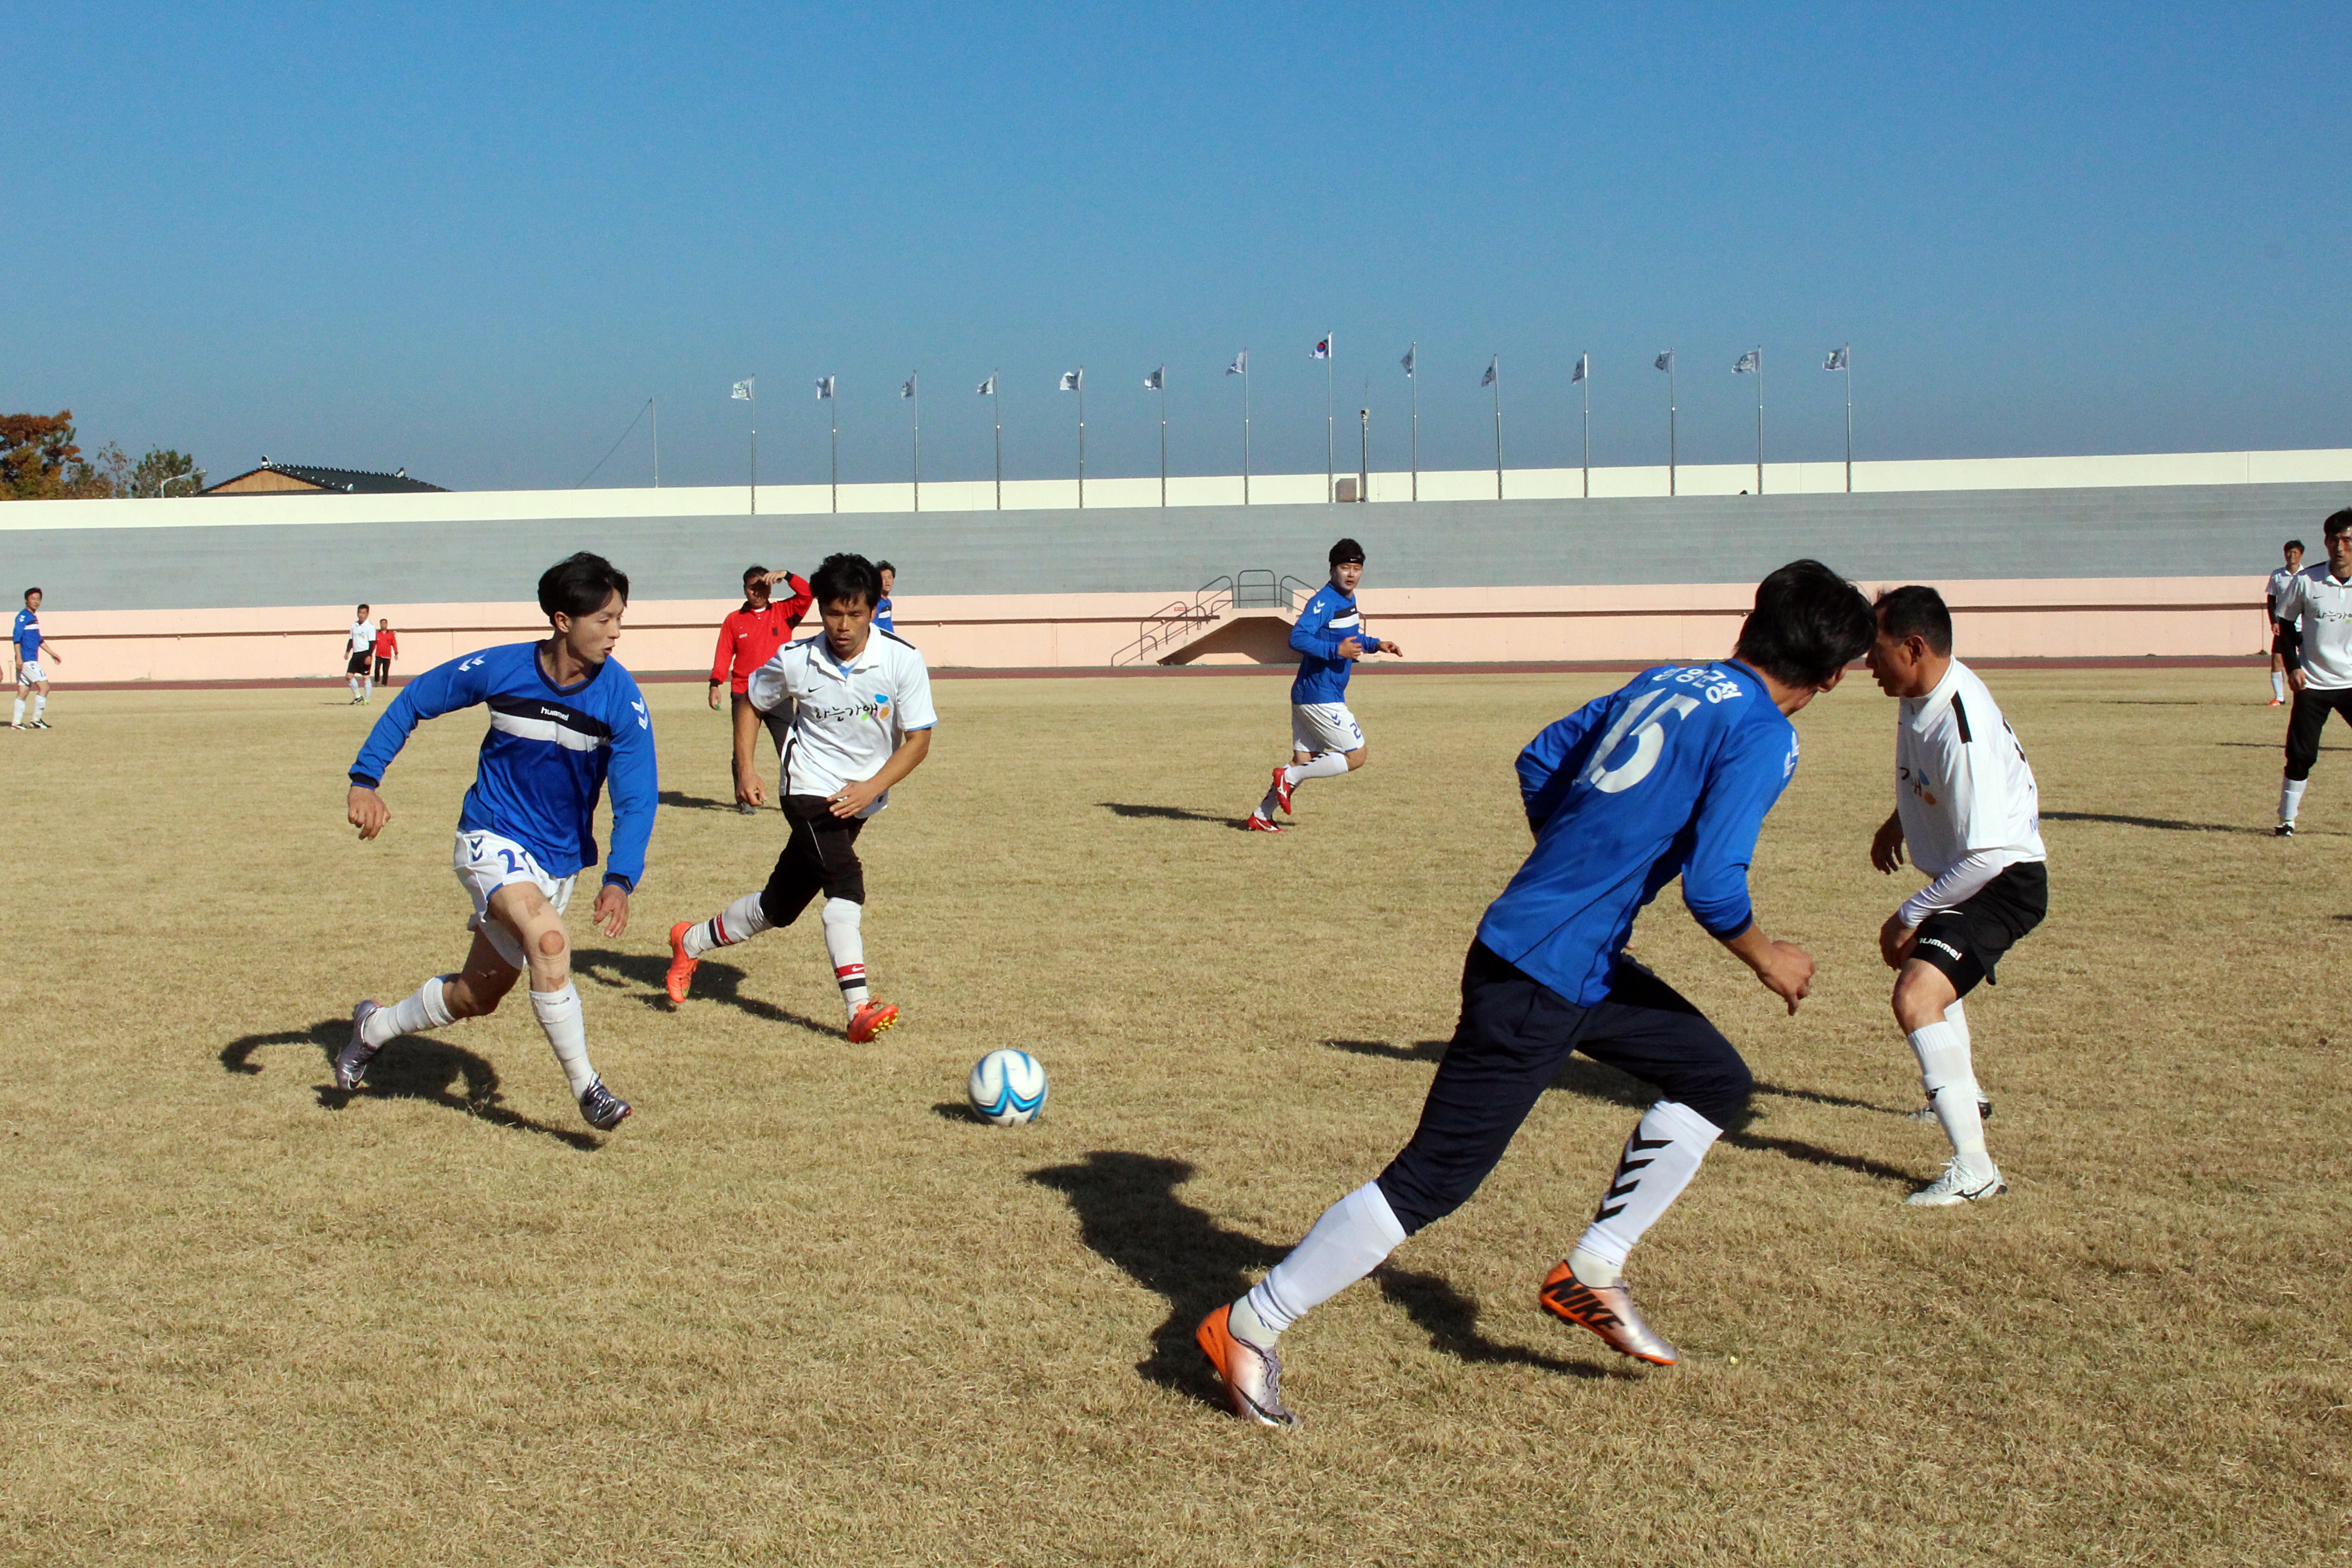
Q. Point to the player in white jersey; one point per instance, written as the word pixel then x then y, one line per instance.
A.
pixel 2283 636
pixel 1967 807
pixel 862 719
pixel 2318 604
pixel 359 649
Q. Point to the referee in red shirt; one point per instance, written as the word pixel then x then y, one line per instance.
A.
pixel 747 639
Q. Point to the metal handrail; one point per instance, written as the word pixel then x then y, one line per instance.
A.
pixel 1291 587
pixel 1177 622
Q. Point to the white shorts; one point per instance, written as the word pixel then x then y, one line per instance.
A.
pixel 1319 726
pixel 485 863
pixel 30 673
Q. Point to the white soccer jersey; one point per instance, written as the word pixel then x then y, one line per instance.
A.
pixel 2320 608
pixel 1963 789
pixel 2274 594
pixel 845 723
pixel 362 635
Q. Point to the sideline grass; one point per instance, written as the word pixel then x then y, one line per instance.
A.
pixel 800 1309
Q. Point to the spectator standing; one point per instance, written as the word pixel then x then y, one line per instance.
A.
pixel 387 648
pixel 748 639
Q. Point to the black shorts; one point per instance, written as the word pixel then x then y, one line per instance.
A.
pixel 2287 641
pixel 359 664
pixel 820 856
pixel 1967 941
pixel 1514 1035
pixel 2305 721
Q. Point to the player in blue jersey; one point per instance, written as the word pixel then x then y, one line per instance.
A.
pixel 1670 776
pixel 32 646
pixel 564 716
pixel 884 619
pixel 1325 739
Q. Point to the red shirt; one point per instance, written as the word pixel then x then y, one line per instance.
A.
pixel 386 645
pixel 749 638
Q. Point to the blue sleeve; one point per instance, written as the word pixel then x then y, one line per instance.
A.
pixel 1742 786
pixel 635 781
pixel 1550 763
pixel 1309 636
pixel 460 683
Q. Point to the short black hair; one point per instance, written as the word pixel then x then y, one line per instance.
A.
pixel 851 577
pixel 2337 523
pixel 751 571
pixel 580 584
pixel 364 609
pixel 1919 611
pixel 881 566
pixel 2295 546
pixel 1347 550
pixel 30 592
pixel 1808 623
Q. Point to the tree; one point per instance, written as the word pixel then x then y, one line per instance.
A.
pixel 41 459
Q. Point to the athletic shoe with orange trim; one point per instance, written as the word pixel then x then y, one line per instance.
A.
pixel 1253 1377
pixel 1265 825
pixel 1282 788
pixel 1608 1310
pixel 681 965
pixel 870 1019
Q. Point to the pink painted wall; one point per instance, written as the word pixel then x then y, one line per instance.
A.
pixel 2042 618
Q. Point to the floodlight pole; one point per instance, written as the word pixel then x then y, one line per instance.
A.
pixel 1082 437
pixel 915 409
pixel 1364 463
pixel 1163 435
pixel 1498 426
pixel 996 401
pixel 1588 426
pixel 1412 352
pixel 1849 419
pixel 1330 430
pixel 656 406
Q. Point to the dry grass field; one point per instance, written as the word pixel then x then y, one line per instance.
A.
pixel 801 1310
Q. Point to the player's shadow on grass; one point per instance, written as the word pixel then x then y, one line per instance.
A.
pixel 679 800
pixel 2162 824
pixel 713 981
pixel 1174 814
pixel 1129 1214
pixel 412 1067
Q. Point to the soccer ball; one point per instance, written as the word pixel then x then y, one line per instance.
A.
pixel 1008 1088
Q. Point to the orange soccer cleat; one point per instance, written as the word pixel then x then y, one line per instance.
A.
pixel 1608 1310
pixel 870 1019
pixel 1253 1377
pixel 681 965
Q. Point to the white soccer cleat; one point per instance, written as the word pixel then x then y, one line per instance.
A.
pixel 1953 1187
pixel 355 1057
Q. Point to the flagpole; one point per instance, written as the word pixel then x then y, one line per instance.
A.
pixel 915 408
pixel 654 405
pixel 1670 421
pixel 1364 464
pixel 1412 352
pixel 1330 431
pixel 1082 437
pixel 833 412
pixel 996 401
pixel 1587 364
pixel 1245 499
pixel 752 397
pixel 1163 435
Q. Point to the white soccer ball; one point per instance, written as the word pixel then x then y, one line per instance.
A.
pixel 1008 1088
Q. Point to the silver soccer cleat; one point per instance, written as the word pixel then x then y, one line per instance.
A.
pixel 355 1057
pixel 1253 1377
pixel 1952 1187
pixel 1608 1310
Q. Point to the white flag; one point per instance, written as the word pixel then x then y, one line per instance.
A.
pixel 743 390
pixel 823 386
pixel 1322 349
pixel 1665 361
pixel 1407 362
pixel 1072 380
pixel 1491 366
pixel 1240 365
pixel 1583 368
pixel 988 387
pixel 1752 360
pixel 907 387
pixel 1157 381
pixel 1837 360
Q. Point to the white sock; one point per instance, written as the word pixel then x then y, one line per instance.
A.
pixel 1951 1085
pixel 739 921
pixel 40 705
pixel 1330 764
pixel 427 1010
pixel 353 682
pixel 846 945
pixel 20 707
pixel 2278 685
pixel 2291 798
pixel 367 686
pixel 559 1014
pixel 1346 1244
pixel 1660 1159
pixel 1959 1019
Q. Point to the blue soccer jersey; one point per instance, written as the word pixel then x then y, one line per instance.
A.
pixel 1328 620
pixel 882 615
pixel 1670 776
pixel 26 636
pixel 545 759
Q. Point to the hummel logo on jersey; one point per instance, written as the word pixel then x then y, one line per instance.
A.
pixel 547 712
pixel 476 662
pixel 640 706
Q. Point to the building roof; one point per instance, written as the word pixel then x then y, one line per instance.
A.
pixel 295 479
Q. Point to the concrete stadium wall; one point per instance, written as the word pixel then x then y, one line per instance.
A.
pixel 218 588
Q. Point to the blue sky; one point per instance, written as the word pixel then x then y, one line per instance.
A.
pixel 474 242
